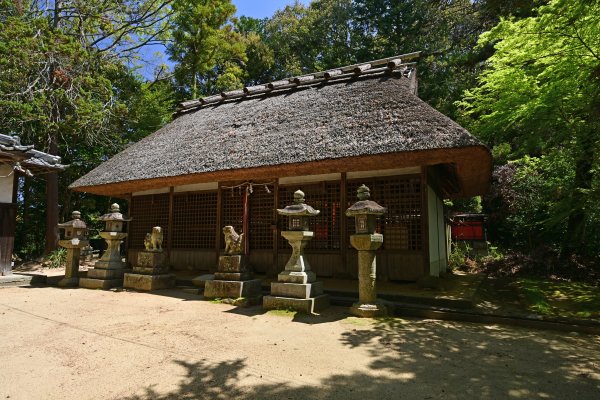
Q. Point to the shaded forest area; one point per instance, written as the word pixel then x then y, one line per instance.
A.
pixel 523 76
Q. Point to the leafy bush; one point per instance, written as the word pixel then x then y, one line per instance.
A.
pixel 56 259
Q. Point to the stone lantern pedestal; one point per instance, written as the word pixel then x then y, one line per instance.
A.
pixel 296 287
pixel 367 305
pixel 366 241
pixel 73 247
pixel 233 280
pixel 108 271
pixel 149 273
pixel 73 238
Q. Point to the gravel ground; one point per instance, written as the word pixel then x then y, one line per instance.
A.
pixel 85 344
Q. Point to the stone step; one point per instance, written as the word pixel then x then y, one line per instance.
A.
pixel 201 280
pixel 297 290
pixel 148 282
pixel 232 289
pixel 308 306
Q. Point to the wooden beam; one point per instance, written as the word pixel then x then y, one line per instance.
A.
pixel 8 221
pixel 218 231
pixel 474 177
pixel 425 222
pixel 274 270
pixel 15 187
pixel 342 270
pixel 170 226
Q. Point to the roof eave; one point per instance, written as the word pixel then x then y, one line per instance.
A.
pixel 473 166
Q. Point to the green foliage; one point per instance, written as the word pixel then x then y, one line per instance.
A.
pixel 206 48
pixel 566 299
pixel 57 258
pixel 458 255
pixel 541 94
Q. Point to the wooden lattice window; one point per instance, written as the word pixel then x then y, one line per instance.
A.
pixel 194 220
pixel 232 210
pixel 147 212
pixel 324 197
pixel 401 225
pixel 262 203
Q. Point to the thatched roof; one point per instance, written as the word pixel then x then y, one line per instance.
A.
pixel 313 123
pixel 25 159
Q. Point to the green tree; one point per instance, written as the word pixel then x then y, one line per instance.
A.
pixel 540 92
pixel 58 60
pixel 208 52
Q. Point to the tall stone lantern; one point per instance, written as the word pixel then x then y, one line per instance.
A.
pixel 296 287
pixel 366 241
pixel 108 271
pixel 73 238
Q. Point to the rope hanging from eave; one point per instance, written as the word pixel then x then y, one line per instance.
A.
pixel 17 167
pixel 248 187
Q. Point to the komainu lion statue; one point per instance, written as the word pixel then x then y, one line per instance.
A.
pixel 153 241
pixel 234 242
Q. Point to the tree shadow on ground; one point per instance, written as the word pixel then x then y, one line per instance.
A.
pixel 330 314
pixel 468 360
pixel 231 380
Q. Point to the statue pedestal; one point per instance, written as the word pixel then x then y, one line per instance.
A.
pixel 108 271
pixel 297 288
pixel 150 273
pixel 367 305
pixel 73 247
pixel 233 280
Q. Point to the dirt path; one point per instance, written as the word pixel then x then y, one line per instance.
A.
pixel 83 344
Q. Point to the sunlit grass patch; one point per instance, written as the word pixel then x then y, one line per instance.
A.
pixel 567 299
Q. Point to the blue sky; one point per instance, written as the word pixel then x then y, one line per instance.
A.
pixel 154 55
pixel 261 8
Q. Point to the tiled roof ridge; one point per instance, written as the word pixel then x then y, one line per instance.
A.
pixel 404 63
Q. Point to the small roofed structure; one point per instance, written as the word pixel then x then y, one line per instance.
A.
pixel 17 159
pixel 245 152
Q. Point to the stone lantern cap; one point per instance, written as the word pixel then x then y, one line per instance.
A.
pixel 364 206
pixel 114 214
pixel 299 208
pixel 75 223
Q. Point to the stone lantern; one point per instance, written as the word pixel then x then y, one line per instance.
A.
pixel 366 241
pixel 74 238
pixel 296 286
pixel 74 229
pixel 108 271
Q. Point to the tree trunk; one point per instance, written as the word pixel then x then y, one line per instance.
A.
pixel 575 238
pixel 52 202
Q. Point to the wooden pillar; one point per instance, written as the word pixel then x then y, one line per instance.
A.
pixel 8 220
pixel 342 270
pixel 15 187
pixel 425 221
pixel 130 215
pixel 274 270
pixel 170 225
pixel 218 231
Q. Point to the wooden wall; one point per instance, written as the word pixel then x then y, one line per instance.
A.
pixel 8 218
pixel 404 256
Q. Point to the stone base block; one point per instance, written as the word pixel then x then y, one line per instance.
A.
pixel 98 273
pixel 201 280
pixel 149 282
pixel 69 282
pixel 235 263
pixel 100 264
pixel 369 310
pixel 233 276
pixel 308 306
pixel 91 283
pixel 232 289
pixel 297 290
pixel 150 270
pixel 150 259
pixel 297 277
